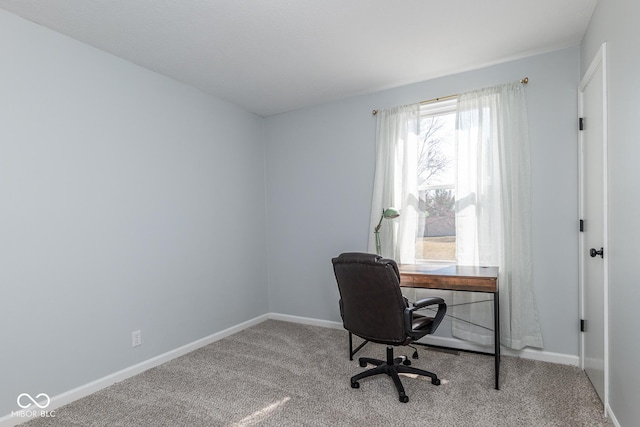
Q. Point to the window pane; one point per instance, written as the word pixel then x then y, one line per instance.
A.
pixel 436 233
pixel 436 150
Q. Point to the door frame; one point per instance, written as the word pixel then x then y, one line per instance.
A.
pixel 598 62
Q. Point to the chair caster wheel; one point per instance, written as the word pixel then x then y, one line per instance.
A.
pixel 355 385
pixel 404 399
pixel 407 362
pixel 363 364
pixel 435 381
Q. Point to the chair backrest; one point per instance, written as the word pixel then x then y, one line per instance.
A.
pixel 371 303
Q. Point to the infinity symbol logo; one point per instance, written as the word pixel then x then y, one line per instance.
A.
pixel 33 401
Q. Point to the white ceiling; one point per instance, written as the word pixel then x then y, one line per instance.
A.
pixel 273 56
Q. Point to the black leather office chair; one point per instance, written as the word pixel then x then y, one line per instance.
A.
pixel 373 308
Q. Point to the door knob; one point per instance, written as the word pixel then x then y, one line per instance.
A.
pixel 593 252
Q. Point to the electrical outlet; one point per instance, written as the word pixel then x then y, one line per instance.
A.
pixel 136 338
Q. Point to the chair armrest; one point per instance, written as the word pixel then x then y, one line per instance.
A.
pixel 442 310
pixel 427 302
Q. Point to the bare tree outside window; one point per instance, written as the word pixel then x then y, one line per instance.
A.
pixel 431 161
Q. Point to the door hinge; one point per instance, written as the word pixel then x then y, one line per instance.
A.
pixel 581 123
pixel 582 325
pixel 582 225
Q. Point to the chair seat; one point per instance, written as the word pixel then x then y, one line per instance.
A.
pixel 421 322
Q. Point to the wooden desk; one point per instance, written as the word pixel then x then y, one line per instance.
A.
pixel 458 278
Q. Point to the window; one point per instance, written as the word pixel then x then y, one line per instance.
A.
pixel 436 230
pixel 431 160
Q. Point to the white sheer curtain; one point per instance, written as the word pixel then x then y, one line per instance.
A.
pixel 493 214
pixel 396 182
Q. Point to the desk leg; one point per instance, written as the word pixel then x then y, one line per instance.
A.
pixel 352 352
pixel 350 346
pixel 496 338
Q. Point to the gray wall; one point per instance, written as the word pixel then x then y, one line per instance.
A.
pixel 320 166
pixel 128 201
pixel 616 22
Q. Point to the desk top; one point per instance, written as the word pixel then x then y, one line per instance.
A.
pixel 450 277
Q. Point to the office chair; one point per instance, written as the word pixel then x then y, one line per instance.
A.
pixel 373 308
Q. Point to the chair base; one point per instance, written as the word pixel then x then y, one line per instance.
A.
pixel 391 367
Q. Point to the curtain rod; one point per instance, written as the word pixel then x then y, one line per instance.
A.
pixel 444 98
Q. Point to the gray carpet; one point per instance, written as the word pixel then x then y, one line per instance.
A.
pixel 285 374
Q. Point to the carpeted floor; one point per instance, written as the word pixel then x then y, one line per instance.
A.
pixel 286 374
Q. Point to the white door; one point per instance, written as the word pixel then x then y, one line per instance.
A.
pixel 593 247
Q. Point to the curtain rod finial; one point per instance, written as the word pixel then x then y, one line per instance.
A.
pixel 374 112
pixel 525 80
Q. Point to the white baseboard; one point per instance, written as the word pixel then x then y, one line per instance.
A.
pixel 544 356
pixel 611 416
pixel 527 353
pixel 69 396
pixel 305 320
